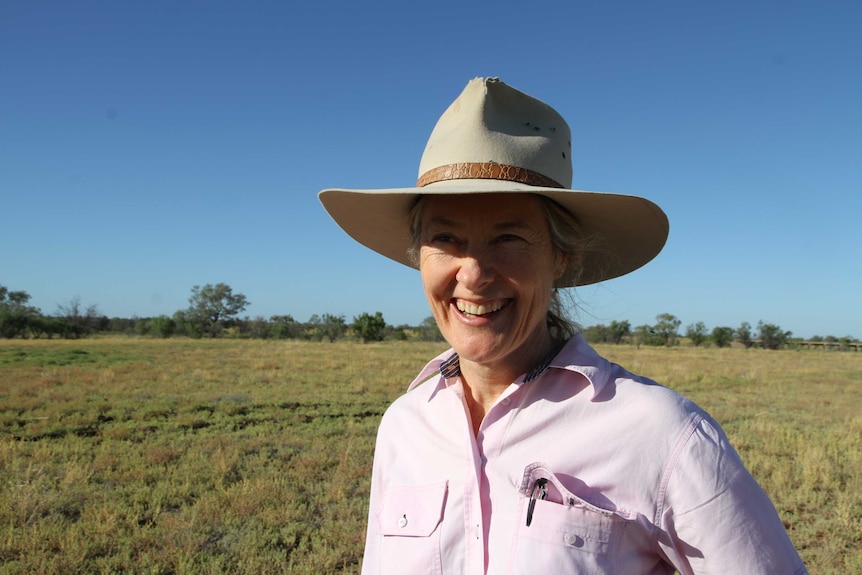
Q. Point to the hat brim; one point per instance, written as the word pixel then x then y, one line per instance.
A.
pixel 625 232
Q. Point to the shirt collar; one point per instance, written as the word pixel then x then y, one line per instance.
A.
pixel 579 357
pixel 432 367
pixel 576 355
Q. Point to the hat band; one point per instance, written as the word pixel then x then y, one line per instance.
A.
pixel 486 171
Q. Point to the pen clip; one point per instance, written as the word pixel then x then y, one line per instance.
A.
pixel 540 491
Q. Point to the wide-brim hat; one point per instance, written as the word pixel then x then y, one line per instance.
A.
pixel 496 139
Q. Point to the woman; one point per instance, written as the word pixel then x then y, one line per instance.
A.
pixel 521 450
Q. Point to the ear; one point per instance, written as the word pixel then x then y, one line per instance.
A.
pixel 561 264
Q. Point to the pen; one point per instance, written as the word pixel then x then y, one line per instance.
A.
pixel 540 491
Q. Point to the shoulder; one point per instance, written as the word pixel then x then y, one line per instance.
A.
pixel 651 400
pixel 634 399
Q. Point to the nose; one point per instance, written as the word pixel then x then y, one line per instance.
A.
pixel 475 271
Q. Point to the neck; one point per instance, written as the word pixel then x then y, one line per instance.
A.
pixel 485 382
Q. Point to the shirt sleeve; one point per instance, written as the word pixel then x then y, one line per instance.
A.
pixel 715 518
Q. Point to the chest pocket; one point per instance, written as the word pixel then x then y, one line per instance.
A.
pixel 566 534
pixel 408 520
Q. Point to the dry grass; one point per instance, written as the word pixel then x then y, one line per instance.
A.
pixel 180 456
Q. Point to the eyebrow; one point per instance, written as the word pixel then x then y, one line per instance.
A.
pixel 444 221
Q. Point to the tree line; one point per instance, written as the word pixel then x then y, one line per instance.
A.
pixel 666 332
pixel 214 310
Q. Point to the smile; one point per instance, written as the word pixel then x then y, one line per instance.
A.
pixel 472 309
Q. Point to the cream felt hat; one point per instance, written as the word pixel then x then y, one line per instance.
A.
pixel 492 139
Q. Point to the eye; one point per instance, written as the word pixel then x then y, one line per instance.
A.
pixel 504 238
pixel 443 238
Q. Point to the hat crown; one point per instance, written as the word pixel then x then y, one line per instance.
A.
pixel 493 123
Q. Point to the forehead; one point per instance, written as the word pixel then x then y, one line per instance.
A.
pixel 484 210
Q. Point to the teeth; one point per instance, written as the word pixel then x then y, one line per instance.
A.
pixel 473 309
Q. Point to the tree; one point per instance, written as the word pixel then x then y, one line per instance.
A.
pixel 666 328
pixel 257 327
pixel 646 335
pixel 743 334
pixel 333 326
pixel 75 321
pixel 16 317
pixel 285 327
pixel 143 326
pixel 721 336
pixel 771 336
pixel 184 327
pixel 211 308
pixel 596 333
pixel 613 333
pixel 429 330
pixel 369 327
pixel 163 326
pixel 696 332
pixel 618 330
pixel 397 333
pixel 46 326
pixel 125 325
pixel 329 327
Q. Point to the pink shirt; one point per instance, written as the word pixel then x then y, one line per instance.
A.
pixel 626 477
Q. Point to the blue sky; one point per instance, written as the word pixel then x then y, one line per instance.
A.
pixel 146 147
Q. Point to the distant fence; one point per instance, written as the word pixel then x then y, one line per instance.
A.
pixel 830 345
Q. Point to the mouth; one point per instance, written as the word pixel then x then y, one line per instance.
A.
pixel 470 309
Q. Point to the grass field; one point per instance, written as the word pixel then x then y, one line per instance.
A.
pixel 253 457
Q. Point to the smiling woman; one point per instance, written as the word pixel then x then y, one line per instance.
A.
pixel 521 450
pixel 488 267
pixel 567 242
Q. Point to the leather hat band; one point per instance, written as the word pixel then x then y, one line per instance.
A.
pixel 486 171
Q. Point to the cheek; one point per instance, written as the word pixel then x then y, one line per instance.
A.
pixel 436 272
pixel 433 285
pixel 536 289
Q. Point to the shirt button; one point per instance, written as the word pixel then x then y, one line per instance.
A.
pixel 573 540
pixel 403 521
pixel 506 401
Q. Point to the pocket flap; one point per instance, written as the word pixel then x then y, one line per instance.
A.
pixel 412 510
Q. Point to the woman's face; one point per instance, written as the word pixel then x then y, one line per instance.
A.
pixel 488 267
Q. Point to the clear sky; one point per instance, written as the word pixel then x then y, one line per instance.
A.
pixel 146 147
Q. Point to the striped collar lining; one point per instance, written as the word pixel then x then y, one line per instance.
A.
pixel 451 366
